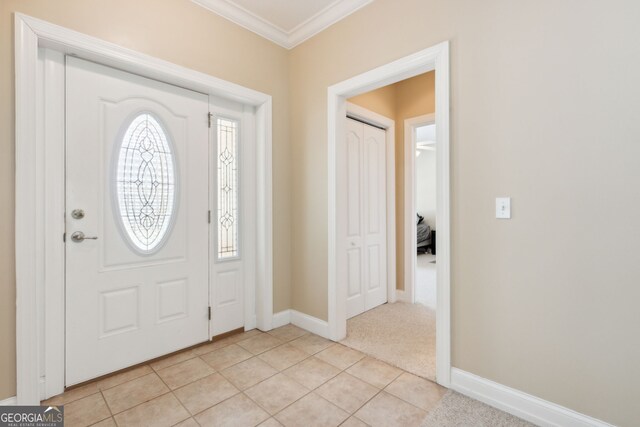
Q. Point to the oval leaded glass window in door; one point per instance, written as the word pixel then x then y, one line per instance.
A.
pixel 145 183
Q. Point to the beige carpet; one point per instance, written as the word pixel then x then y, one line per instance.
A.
pixel 401 334
pixel 456 410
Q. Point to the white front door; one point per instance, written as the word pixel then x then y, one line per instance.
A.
pixel 137 188
pixel 364 244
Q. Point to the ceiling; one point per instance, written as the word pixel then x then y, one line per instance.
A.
pixel 285 22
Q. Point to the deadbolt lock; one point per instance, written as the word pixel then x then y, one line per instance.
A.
pixel 77 214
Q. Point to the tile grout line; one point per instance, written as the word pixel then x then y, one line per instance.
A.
pixel 261 407
pixel 156 397
pixel 153 370
pixel 301 397
pixel 141 403
pixel 295 364
pixel 288 367
pixel 239 391
pixel 311 390
pixel 106 403
pixel 365 403
pixel 384 389
pixel 367 354
pixel 331 403
pixel 176 397
pixel 279 372
pixel 398 397
pixel 266 379
pixel 124 382
pixel 212 406
pixel 220 373
pixel 222 340
pixel 183 407
pixel 282 372
pixel 270 376
pixel 173 364
pixel 380 390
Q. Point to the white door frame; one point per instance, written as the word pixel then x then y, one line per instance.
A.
pixel 389 126
pixel 434 58
pixel 410 226
pixel 39 223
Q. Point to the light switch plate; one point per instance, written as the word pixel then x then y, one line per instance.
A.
pixel 503 207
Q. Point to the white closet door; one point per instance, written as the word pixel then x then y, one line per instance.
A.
pixel 137 190
pixel 364 243
pixel 375 218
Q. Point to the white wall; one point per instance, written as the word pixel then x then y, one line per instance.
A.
pixel 426 176
pixel 426 186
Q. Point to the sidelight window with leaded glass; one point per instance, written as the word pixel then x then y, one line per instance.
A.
pixel 227 187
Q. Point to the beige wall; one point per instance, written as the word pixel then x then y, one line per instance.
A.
pixel 545 98
pixel 177 31
pixel 381 101
pixel 400 101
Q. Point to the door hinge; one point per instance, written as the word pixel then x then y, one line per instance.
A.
pixel 64 237
pixel 209 116
pixel 209 312
pixel 209 217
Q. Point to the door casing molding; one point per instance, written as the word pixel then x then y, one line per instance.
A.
pixel 433 58
pixel 40 183
pixel 389 126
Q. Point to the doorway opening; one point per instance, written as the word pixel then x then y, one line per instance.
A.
pixel 377 325
pixel 420 204
pixel 369 91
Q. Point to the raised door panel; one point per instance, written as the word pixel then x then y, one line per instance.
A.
pixel 355 226
pixel 354 181
pixel 372 184
pixel 375 243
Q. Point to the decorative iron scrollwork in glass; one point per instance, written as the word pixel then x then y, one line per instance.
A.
pixel 145 183
pixel 227 159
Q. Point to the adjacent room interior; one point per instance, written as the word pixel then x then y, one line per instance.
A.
pixel 425 209
pixel 401 332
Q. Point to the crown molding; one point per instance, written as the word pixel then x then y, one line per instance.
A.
pixel 246 19
pixel 328 16
pixel 336 11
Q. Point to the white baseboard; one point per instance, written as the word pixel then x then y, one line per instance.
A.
pixel 310 323
pixel 9 402
pixel 301 320
pixel 281 318
pixel 518 403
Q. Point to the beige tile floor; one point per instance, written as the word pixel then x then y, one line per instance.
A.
pixel 286 377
